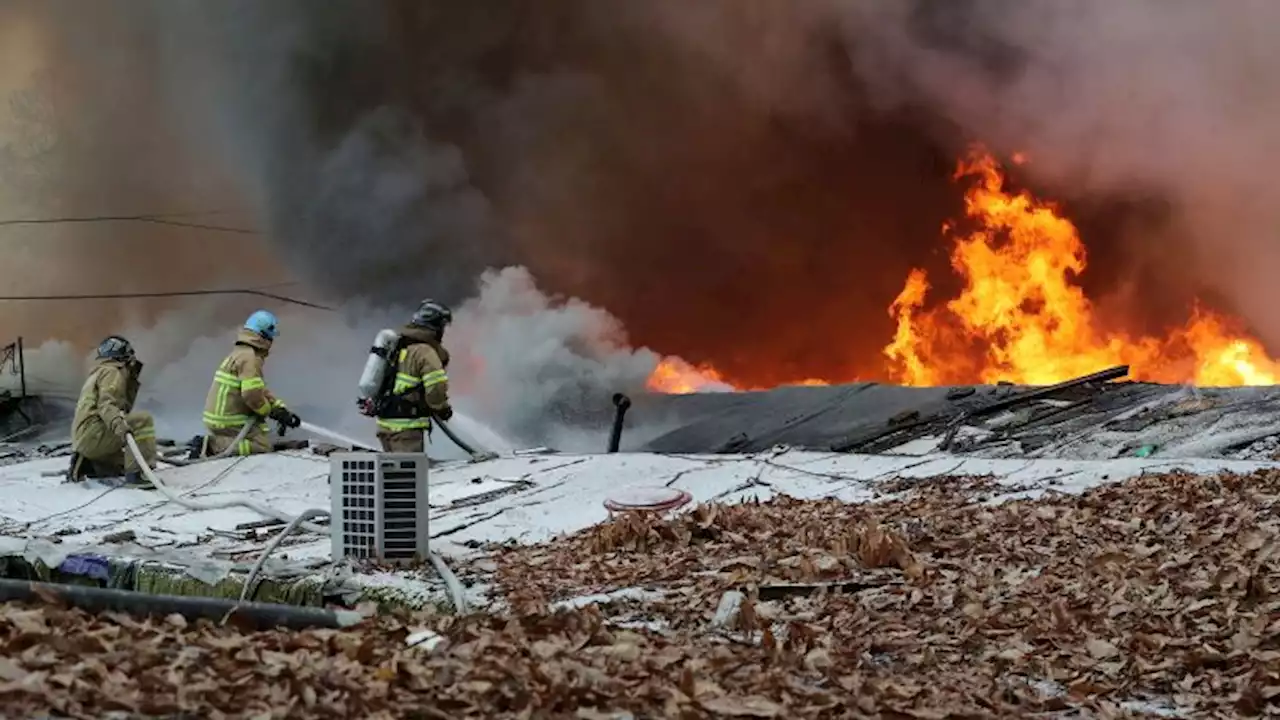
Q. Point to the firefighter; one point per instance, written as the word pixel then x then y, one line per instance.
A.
pixel 421 388
pixel 104 416
pixel 239 394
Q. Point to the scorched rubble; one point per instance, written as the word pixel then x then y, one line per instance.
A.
pixel 1160 588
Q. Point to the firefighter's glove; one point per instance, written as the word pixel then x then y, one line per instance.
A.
pixel 444 413
pixel 285 417
pixel 120 429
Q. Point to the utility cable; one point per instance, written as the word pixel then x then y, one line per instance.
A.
pixel 154 219
pixel 183 293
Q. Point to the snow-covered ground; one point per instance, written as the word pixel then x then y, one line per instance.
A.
pixel 526 499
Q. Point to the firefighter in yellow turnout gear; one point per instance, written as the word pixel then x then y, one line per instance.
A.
pixel 104 416
pixel 239 394
pixel 421 387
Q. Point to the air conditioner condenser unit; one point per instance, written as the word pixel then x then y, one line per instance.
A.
pixel 378 505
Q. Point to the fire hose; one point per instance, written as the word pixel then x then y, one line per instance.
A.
pixel 165 490
pixel 456 594
pixel 468 449
pixel 226 452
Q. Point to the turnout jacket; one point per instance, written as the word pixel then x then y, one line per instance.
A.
pixel 105 399
pixel 421 384
pixel 239 393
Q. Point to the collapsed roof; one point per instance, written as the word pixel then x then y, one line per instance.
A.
pixel 1083 419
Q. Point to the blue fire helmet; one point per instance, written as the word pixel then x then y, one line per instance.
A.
pixel 262 322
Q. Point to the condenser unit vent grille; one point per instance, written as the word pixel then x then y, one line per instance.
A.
pixel 379 505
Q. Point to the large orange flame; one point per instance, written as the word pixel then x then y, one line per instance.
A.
pixel 1021 317
pixel 677 377
pixel 1023 314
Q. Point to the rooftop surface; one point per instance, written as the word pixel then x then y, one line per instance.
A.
pixel 474 506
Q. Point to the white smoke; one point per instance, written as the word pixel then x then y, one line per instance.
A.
pixel 1175 96
pixel 523 363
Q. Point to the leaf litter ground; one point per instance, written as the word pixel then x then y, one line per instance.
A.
pixel 1152 597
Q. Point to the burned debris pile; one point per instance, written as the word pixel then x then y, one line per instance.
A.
pixel 1091 417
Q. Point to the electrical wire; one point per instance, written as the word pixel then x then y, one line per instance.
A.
pixel 183 293
pixel 154 219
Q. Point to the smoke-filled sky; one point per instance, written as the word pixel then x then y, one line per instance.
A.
pixel 744 182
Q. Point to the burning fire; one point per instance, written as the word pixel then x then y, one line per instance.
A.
pixel 1021 317
pixel 677 377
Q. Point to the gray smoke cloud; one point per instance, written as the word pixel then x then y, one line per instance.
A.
pixel 711 173
pixel 528 366
pixel 390 136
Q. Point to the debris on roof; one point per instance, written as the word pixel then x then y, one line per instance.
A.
pixel 1088 418
pixel 134 539
pixel 1148 598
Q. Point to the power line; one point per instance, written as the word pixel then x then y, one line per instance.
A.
pixel 154 219
pixel 185 293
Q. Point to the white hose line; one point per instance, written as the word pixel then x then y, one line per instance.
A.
pixel 262 510
pixel 456 594
pixel 226 451
pixel 293 524
pixel 336 437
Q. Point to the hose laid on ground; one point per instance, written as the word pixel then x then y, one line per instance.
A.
pixel 293 525
pixel 262 510
pixel 454 587
pixel 456 594
pixel 226 451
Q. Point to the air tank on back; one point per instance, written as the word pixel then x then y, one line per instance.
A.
pixel 375 368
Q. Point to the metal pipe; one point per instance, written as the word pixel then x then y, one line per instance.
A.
pixel 261 616
pixel 22 368
pixel 620 403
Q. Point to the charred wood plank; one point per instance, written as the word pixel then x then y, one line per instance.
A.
pixel 1016 399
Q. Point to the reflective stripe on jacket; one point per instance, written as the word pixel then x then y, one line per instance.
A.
pixel 419 367
pixel 239 393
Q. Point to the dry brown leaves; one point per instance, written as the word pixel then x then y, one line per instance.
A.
pixel 1163 586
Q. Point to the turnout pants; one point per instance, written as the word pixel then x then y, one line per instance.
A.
pixel 258 440
pixel 405 441
pixel 101 454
